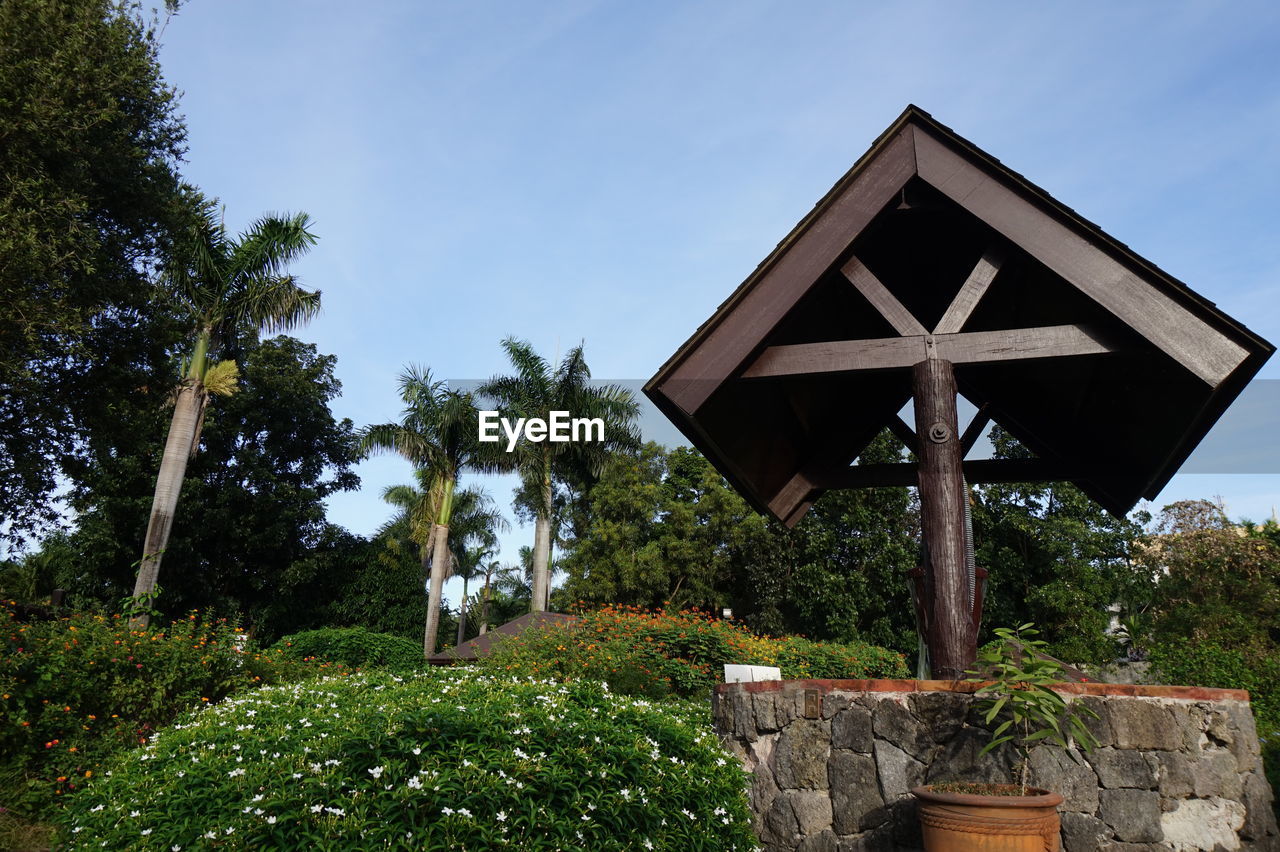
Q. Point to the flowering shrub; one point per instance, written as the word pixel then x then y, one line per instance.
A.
pixel 441 759
pixel 639 652
pixel 76 689
pixel 355 647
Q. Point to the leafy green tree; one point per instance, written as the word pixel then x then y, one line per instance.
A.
pixel 536 389
pixel 231 287
pixel 438 433
pixel 665 527
pixel 253 529
pixel 1056 558
pixel 1216 582
pixel 90 197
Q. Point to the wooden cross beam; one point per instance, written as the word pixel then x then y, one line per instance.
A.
pixel 891 353
pixel 976 472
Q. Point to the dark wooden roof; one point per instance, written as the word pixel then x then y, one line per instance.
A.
pixel 1105 366
pixel 481 646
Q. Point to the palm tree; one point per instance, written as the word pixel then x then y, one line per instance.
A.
pixel 535 390
pixel 468 564
pixel 438 434
pixel 231 287
pixel 473 538
pixel 473 529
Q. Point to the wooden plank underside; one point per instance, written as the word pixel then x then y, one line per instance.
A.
pixel 797 265
pixel 976 472
pixel 975 287
pixel 888 353
pixel 1170 326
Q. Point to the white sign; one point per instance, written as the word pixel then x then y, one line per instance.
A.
pixel 749 674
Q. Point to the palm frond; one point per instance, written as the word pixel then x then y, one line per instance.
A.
pixel 270 245
pixel 275 303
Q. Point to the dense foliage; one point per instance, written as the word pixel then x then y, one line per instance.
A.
pixel 665 526
pixel 1219 587
pixel 89 198
pixel 656 654
pixel 251 530
pixel 1055 558
pixel 353 646
pixel 77 689
pixel 446 759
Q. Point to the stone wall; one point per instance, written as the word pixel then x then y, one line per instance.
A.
pixel 832 763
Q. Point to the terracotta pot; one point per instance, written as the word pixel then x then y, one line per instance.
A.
pixel 962 822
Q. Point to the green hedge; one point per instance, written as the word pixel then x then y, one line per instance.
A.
pixel 355 647
pixel 638 652
pixel 75 690
pixel 443 759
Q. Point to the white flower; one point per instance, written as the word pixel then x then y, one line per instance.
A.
pixel 233 773
pixel 257 798
pixel 417 751
pixel 336 811
pixel 210 835
pixel 231 831
pixel 175 848
pixel 376 771
pixel 415 783
pixel 98 808
pixel 271 820
pixel 502 816
pixel 135 813
pixel 145 832
pixel 464 812
pixel 447 811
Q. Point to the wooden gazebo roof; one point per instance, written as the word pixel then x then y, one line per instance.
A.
pixel 1107 368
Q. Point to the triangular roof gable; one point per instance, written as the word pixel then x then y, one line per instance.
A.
pixel 1165 315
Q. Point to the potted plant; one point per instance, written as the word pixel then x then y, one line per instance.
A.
pixel 1016 690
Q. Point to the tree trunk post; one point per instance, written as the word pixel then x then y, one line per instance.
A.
pixel 951 639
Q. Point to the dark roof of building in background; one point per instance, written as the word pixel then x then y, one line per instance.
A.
pixel 482 645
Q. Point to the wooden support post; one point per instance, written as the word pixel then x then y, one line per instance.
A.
pixel 951 638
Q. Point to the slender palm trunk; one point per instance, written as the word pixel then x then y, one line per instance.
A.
pixel 178 448
pixel 542 548
pixel 484 606
pixel 439 568
pixel 439 561
pixel 462 615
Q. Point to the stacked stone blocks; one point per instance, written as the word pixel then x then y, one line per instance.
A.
pixel 832 764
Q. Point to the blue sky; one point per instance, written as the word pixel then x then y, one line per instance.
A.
pixel 608 172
